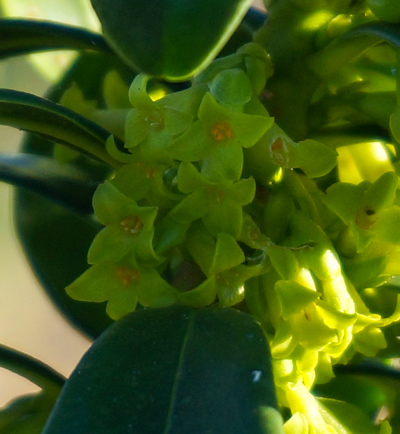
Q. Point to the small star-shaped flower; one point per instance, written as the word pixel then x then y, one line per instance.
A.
pixel 218 204
pixel 217 138
pixel 129 228
pixel 123 286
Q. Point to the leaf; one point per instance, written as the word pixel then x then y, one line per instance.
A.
pixel 388 32
pixel 77 12
pixel 172 40
pixel 55 239
pixel 27 415
pixel 19 36
pixel 344 416
pixel 42 116
pixel 368 385
pixel 30 368
pixel 65 185
pixel 172 370
pixel 351 44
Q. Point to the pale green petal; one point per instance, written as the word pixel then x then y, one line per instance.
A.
pixel 293 297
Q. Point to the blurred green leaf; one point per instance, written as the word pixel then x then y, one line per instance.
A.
pixel 368 385
pixel 76 12
pixel 30 368
pixel 28 414
pixel 19 36
pixel 70 187
pixel 172 40
pixel 55 239
pixel 351 44
pixel 44 117
pixel 381 31
pixel 352 418
pixel 175 370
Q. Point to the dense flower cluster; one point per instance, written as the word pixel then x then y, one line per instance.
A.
pixel 215 203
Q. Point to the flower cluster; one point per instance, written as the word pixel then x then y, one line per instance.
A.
pixel 214 202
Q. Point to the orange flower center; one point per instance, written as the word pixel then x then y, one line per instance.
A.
pixel 132 224
pixel 127 275
pixel 278 152
pixel 366 218
pixel 277 145
pixel 221 131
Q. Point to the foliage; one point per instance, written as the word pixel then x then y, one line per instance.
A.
pixel 244 228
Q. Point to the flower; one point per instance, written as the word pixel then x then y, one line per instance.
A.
pixel 129 228
pixel 217 138
pixel 122 286
pixel 218 204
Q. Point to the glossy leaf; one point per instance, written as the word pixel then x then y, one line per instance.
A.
pixel 19 36
pixel 65 185
pixel 30 368
pixel 173 370
pixel 162 38
pixel 42 116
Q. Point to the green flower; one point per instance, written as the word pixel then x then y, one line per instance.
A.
pixel 277 149
pixel 129 228
pixel 154 124
pixel 219 205
pixel 370 238
pixel 368 208
pixel 217 138
pixel 123 286
pixel 147 183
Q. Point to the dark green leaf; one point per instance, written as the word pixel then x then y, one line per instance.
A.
pixel 379 30
pixel 252 21
pixel 169 39
pixel 30 368
pixel 42 116
pixel 23 36
pixel 369 385
pixel 27 415
pixel 65 185
pixel 55 239
pixel 173 370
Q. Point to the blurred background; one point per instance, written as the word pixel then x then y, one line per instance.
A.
pixel 28 321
